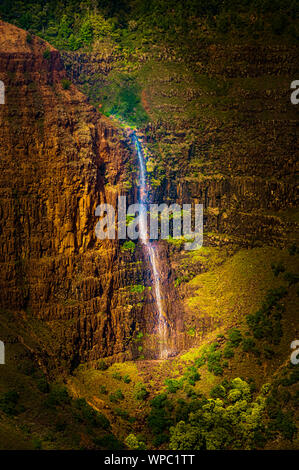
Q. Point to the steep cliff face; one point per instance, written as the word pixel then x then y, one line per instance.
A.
pixel 221 133
pixel 59 160
pixel 211 142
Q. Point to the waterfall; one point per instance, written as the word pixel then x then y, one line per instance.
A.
pixel 150 252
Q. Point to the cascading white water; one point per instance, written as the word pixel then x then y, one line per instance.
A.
pixel 150 251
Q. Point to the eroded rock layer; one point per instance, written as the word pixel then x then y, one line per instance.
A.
pixel 59 160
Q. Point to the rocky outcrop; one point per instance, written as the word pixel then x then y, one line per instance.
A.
pixel 59 160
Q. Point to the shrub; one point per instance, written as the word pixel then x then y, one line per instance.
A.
pixel 160 438
pixel 248 345
pixel 234 395
pixel 214 363
pixel 128 245
pixel 292 379
pixel 191 331
pixel 122 413
pixel 183 409
pixel 137 288
pixel 218 391
pixel 102 365
pixel 117 396
pixel 173 385
pixel 117 376
pixel 8 403
pixel 126 379
pixel 85 413
pixel 284 424
pixel 108 442
pixel 42 385
pixel 47 54
pixel 291 278
pixel 139 336
pixel 265 323
pixel 58 395
pixel 192 375
pixel 273 296
pixel 36 443
pixel 140 392
pixel 113 398
pixel 186 437
pixel 235 337
pixel 159 418
pixel 29 38
pixel 292 249
pixel 133 443
pixel 200 361
pixel 189 390
pixel 86 32
pixel 268 352
pixel 103 390
pixel 277 268
pixel 159 401
pixel 228 352
pixel 65 84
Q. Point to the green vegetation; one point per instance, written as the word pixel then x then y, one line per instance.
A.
pixel 141 393
pixel 128 245
pixel 47 54
pixel 181 279
pixel 235 337
pixel 266 322
pixel 159 418
pixel 85 413
pixel 103 390
pixel 133 443
pixel 117 376
pixel 102 365
pixel 65 84
pixel 216 424
pixel 137 288
pixel 74 25
pixel 57 396
pixel 192 375
pixel 277 268
pixel 132 30
pixel 293 249
pixel 9 403
pixel 291 278
pixel 173 385
pixel 116 397
pixel 121 98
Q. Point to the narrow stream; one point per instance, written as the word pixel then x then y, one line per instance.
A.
pixel 149 250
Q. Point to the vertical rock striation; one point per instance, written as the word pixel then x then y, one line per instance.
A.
pixel 59 160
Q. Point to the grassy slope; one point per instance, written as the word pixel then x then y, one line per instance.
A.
pixel 42 415
pixel 234 289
